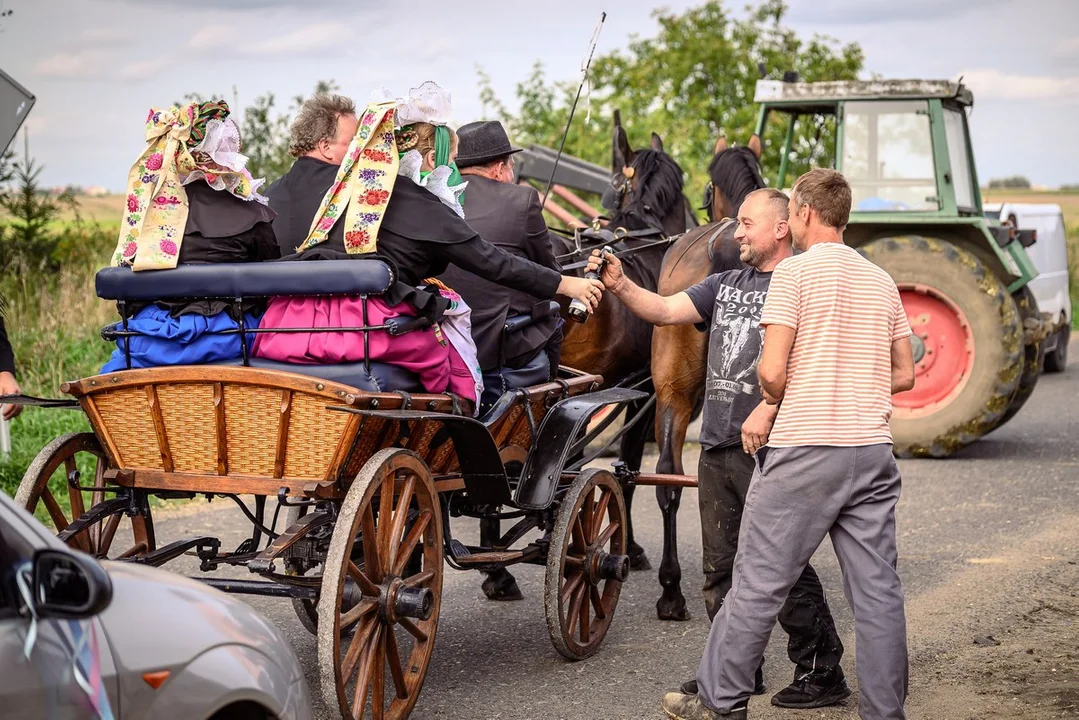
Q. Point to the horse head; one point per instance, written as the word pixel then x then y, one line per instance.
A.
pixel 733 173
pixel 646 187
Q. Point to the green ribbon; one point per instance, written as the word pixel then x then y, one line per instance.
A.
pixel 442 157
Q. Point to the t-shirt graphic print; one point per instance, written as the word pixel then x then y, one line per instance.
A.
pixel 731 304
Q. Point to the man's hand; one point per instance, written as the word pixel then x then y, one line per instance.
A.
pixel 612 276
pixel 8 386
pixel 587 291
pixel 757 426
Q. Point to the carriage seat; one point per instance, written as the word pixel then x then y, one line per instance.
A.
pixel 236 281
pixel 229 281
pixel 381 377
pixel 534 372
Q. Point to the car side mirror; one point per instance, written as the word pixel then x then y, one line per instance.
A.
pixel 69 585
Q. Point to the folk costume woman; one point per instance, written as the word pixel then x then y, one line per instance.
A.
pixel 190 200
pixel 370 210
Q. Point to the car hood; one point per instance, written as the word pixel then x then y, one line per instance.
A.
pixel 160 620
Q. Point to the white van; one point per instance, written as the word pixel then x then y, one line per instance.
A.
pixel 1049 253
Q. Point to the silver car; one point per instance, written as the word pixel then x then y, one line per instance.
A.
pixel 86 639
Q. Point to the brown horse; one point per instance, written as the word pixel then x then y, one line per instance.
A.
pixel 679 353
pixel 648 206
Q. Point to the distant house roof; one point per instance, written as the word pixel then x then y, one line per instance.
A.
pixel 828 93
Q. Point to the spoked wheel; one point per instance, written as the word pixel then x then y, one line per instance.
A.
pixel 382 597
pixel 586 564
pixel 94 517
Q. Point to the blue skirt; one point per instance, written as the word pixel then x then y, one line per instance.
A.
pixel 184 340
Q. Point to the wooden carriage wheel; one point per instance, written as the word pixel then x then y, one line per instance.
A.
pixel 384 617
pixel 95 516
pixel 586 564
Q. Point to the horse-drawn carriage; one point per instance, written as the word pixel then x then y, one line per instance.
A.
pixel 368 471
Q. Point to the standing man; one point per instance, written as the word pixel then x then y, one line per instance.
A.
pixel 8 384
pixel 736 424
pixel 836 348
pixel 510 216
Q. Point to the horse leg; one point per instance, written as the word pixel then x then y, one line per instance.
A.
pixel 631 452
pixel 499 584
pixel 678 374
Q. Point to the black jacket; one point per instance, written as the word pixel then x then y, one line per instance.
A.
pixel 510 217
pixel 7 357
pixel 419 236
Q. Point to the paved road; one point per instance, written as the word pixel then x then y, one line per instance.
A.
pixel 985 540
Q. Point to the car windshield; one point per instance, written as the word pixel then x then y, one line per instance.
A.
pixel 887 156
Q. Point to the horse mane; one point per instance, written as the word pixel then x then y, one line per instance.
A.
pixel 658 189
pixel 735 172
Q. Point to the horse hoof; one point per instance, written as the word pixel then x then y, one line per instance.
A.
pixel 638 561
pixel 501 586
pixel 674 609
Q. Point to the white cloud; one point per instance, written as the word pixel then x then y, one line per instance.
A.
pixel 312 39
pixel 70 66
pixel 998 85
pixel 103 37
pixel 142 70
pixel 1068 49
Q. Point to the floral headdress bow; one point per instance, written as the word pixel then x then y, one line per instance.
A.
pixel 156 214
pixel 363 184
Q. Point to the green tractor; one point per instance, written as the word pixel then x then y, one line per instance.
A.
pixel 904 147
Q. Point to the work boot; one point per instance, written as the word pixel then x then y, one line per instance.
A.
pixel 689 687
pixel 813 691
pixel 678 706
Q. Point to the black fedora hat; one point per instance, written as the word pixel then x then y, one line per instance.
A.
pixel 481 142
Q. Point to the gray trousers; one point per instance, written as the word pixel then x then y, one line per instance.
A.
pixel 796 497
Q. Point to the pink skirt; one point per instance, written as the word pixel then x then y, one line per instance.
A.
pixel 424 352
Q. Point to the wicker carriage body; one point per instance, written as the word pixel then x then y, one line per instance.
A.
pixel 217 429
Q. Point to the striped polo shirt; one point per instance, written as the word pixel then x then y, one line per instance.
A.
pixel 846 312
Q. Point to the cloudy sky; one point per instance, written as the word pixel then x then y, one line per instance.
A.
pixel 95 66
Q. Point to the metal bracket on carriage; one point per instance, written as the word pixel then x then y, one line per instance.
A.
pixel 208 551
pixel 264 562
pixel 173 550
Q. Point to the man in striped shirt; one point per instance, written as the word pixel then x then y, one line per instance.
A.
pixel 836 348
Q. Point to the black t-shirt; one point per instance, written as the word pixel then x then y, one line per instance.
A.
pixel 730 304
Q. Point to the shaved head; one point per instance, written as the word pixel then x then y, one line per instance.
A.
pixel 775 200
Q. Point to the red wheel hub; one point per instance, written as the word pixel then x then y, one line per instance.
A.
pixel 943 350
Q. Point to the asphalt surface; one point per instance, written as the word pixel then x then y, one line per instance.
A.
pixel 495 660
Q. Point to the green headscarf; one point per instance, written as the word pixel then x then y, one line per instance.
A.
pixel 442 156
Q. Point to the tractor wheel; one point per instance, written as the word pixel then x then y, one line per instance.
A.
pixel 1033 356
pixel 968 345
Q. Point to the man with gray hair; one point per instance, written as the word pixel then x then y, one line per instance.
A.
pixel 320 136
pixel 736 423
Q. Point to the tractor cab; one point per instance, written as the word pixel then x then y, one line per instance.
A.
pixel 904 147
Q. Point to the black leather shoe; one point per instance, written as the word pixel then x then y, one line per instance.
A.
pixel 813 692
pixel 689 687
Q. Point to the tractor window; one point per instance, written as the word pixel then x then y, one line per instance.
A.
pixel 888 156
pixel 956 131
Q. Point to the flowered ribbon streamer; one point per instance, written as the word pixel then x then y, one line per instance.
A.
pixel 363 184
pixel 156 212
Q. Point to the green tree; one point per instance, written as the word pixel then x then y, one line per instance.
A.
pixel 693 81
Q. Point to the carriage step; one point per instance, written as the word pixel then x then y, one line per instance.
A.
pixel 458 549
pixel 498 557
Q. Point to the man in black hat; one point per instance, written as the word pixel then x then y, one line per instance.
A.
pixel 510 216
pixel 507 215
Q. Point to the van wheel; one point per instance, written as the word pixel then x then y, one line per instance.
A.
pixel 968 344
pixel 1057 359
